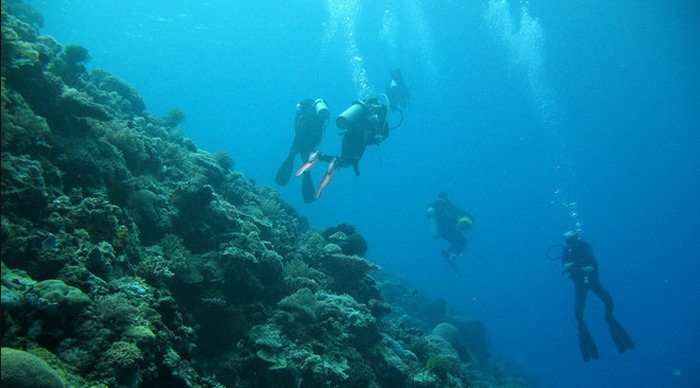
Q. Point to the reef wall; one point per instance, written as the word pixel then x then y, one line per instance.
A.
pixel 130 257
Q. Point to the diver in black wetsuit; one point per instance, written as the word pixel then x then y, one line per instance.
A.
pixel 581 265
pixel 309 124
pixel 448 221
pixel 365 123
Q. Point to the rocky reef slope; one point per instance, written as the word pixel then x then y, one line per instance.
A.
pixel 130 257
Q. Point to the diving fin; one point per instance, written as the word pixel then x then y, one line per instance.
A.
pixel 313 158
pixel 619 335
pixel 453 264
pixel 285 171
pixel 307 188
pixel 327 179
pixel 586 344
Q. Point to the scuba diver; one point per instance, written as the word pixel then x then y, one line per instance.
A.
pixel 448 221
pixel 365 123
pixel 581 265
pixel 310 121
pixel 396 91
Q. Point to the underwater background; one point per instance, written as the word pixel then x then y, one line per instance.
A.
pixel 537 117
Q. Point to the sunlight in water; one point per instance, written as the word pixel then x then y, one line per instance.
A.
pixel 422 36
pixel 523 38
pixel 524 41
pixel 341 18
pixel 387 35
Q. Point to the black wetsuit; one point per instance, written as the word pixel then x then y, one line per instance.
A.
pixel 584 273
pixel 371 128
pixel 581 255
pixel 308 132
pixel 447 215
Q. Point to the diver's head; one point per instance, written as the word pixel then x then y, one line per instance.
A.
pixel 305 104
pixel 372 101
pixel 571 237
pixel 465 223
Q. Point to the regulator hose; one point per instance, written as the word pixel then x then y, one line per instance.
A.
pixel 549 251
pixel 400 121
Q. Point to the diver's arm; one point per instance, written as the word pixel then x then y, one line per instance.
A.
pixel 588 257
pixel 579 259
pixel 566 260
pixel 568 267
pixel 464 213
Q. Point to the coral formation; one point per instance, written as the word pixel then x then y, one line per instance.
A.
pixel 21 369
pixel 55 296
pixel 130 257
pixel 174 117
pixel 345 236
pixel 440 365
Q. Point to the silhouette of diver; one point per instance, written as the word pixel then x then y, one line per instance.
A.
pixel 581 265
pixel 448 221
pixel 396 90
pixel 309 123
pixel 365 123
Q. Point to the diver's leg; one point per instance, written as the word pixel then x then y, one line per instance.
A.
pixel 352 148
pixel 454 237
pixel 460 243
pixel 447 253
pixel 595 286
pixel 587 346
pixel 619 335
pixel 579 302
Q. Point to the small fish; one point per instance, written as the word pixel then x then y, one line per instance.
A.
pixel 49 243
pixel 137 288
pixel 414 292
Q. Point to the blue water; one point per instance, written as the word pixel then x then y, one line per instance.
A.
pixel 535 116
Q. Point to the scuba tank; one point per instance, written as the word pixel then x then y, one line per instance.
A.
pixel 350 115
pixel 317 107
pixel 433 223
pixel 322 110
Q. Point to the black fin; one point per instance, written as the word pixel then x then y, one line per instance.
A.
pixel 619 335
pixel 307 188
pixel 285 171
pixel 586 344
pixel 453 263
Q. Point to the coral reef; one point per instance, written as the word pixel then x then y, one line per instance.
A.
pixel 22 369
pixel 174 117
pixel 130 257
